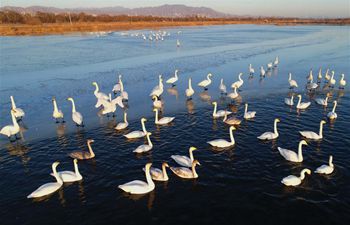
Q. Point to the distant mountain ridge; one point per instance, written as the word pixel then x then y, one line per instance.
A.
pixel 162 11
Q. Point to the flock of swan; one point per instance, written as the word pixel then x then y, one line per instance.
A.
pixel 187 164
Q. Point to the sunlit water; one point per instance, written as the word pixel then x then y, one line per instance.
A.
pixel 240 185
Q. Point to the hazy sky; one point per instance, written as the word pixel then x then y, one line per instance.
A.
pixel 301 8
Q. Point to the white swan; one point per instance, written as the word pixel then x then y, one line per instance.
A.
pixel 326 169
pixel 138 186
pixel 111 105
pixel 159 175
pixel 145 148
pixel 322 101
pixel 222 143
pixel 262 72
pixel 269 66
pixel 231 121
pixel 291 155
pixel 310 78
pixel 138 134
pixel 222 87
pixel 116 87
pixel 248 114
pixel 313 135
pixel 302 105
pixel 57 113
pixel 99 95
pixel 289 101
pixel 178 44
pixel 11 130
pixel 123 93
pixel 333 115
pixel 83 155
pixel 185 172
pixel 276 62
pixel 70 176
pixel 311 86
pixel 319 77
pixel 251 69
pixel 327 77
pixel 238 83
pixel 189 91
pixel 76 116
pixel 292 180
pixel 342 82
pixel 292 83
pixel 173 79
pixel 220 113
pixel 270 135
pixel 162 121
pixel 332 80
pixel 234 94
pixel 205 83
pixel 18 112
pixel 158 90
pixel 156 102
pixel 122 125
pixel 48 188
pixel 185 160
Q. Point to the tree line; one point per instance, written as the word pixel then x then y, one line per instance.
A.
pixel 12 17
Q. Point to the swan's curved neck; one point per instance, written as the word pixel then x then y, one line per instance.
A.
pixel 302 174
pixel 225 117
pixel 239 77
pixel 96 89
pixel 208 77
pixel 165 174
pixel 55 108
pixel 235 90
pixel 148 177
pixel 330 162
pixel 321 130
pixel 291 99
pixel 156 116
pixel 194 172
pixel 58 179
pixel 143 127
pixel 13 103
pixel 149 141
pixel 231 137
pixel 290 76
pixel 214 112
pixel 191 155
pixel 246 108
pixel 92 154
pixel 300 152
pixel 76 169
pixel 125 120
pixel 299 101
pixel 121 86
pixel 73 106
pixel 189 84
pixel 335 106
pixel 14 121
pixel 275 128
pixel 176 74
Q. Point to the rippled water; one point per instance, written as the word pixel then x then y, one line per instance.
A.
pixel 238 185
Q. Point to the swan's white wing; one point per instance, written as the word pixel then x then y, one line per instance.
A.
pixel 267 136
pixel 166 120
pixel 136 186
pixel 121 126
pixel 45 189
pixel 118 101
pixel 203 83
pixel 219 143
pixel 143 148
pixel 77 118
pixel 291 180
pixel 116 88
pixel 135 134
pixel 182 172
pixel 309 134
pixel 288 154
pixel 182 160
pixel 324 169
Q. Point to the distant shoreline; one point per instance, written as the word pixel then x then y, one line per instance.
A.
pixel 66 28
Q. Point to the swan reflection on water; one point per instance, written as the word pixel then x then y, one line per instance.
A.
pixel 19 149
pixel 173 91
pixel 204 96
